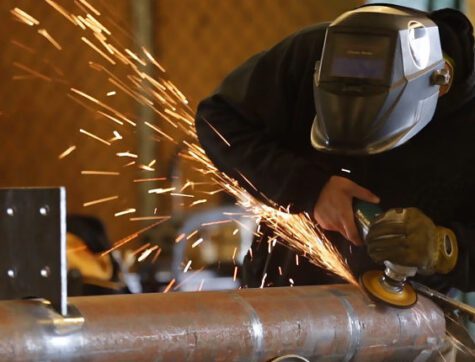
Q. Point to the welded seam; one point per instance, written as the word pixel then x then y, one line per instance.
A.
pixel 257 330
pixel 354 327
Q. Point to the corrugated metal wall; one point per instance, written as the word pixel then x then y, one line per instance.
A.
pixel 198 42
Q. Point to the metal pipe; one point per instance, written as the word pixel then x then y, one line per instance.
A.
pixel 337 323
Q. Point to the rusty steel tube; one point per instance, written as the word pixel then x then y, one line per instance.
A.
pixel 337 322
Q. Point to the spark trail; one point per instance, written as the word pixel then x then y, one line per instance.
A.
pixel 174 123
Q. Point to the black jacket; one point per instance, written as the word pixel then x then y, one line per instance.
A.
pixel 265 110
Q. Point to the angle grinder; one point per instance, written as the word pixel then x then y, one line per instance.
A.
pixel 389 286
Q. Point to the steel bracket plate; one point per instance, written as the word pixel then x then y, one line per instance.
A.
pixel 33 245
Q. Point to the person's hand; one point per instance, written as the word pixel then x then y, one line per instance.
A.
pixel 334 208
pixel 408 237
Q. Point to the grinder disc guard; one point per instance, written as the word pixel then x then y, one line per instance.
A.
pixel 399 295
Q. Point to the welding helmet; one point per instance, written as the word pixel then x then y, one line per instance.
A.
pixel 377 83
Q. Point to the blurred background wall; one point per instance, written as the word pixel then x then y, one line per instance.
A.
pixel 197 41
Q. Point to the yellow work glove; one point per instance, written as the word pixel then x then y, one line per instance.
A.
pixel 408 237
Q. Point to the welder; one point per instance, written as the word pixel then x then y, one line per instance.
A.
pixel 376 106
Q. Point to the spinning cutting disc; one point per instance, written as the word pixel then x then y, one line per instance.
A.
pixel 378 288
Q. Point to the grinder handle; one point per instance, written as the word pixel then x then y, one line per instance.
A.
pixel 365 213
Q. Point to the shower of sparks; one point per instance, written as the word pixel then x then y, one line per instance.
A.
pixel 213 192
pixel 24 17
pixel 167 102
pixel 201 285
pixel 135 57
pixel 146 218
pixel 143 247
pixel 187 266
pixel 156 129
pixel 118 244
pixel 23 46
pixel 459 345
pixel 180 237
pixel 22 77
pixel 32 72
pixel 146 168
pixel 424 321
pixel 216 131
pixel 196 243
pixel 152 60
pixel 169 286
pixel 192 184
pixel 127 154
pixel 99 51
pixel 157 253
pixel 161 190
pixel 82 103
pixel 95 137
pixel 113 119
pixel 97 27
pixel 234 255
pixel 181 195
pixel 111 93
pixel 235 273
pixel 48 37
pixel 150 179
pixel 100 201
pixel 103 105
pixel 100 173
pixel 90 7
pixel 247 180
pixel 125 212
pixel 61 10
pixel 68 151
pixel 188 278
pixel 79 21
pixel 117 135
pixel 217 222
pixel 263 280
pixel 192 234
pixel 255 233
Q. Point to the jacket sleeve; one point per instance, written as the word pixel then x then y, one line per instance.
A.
pixel 243 125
